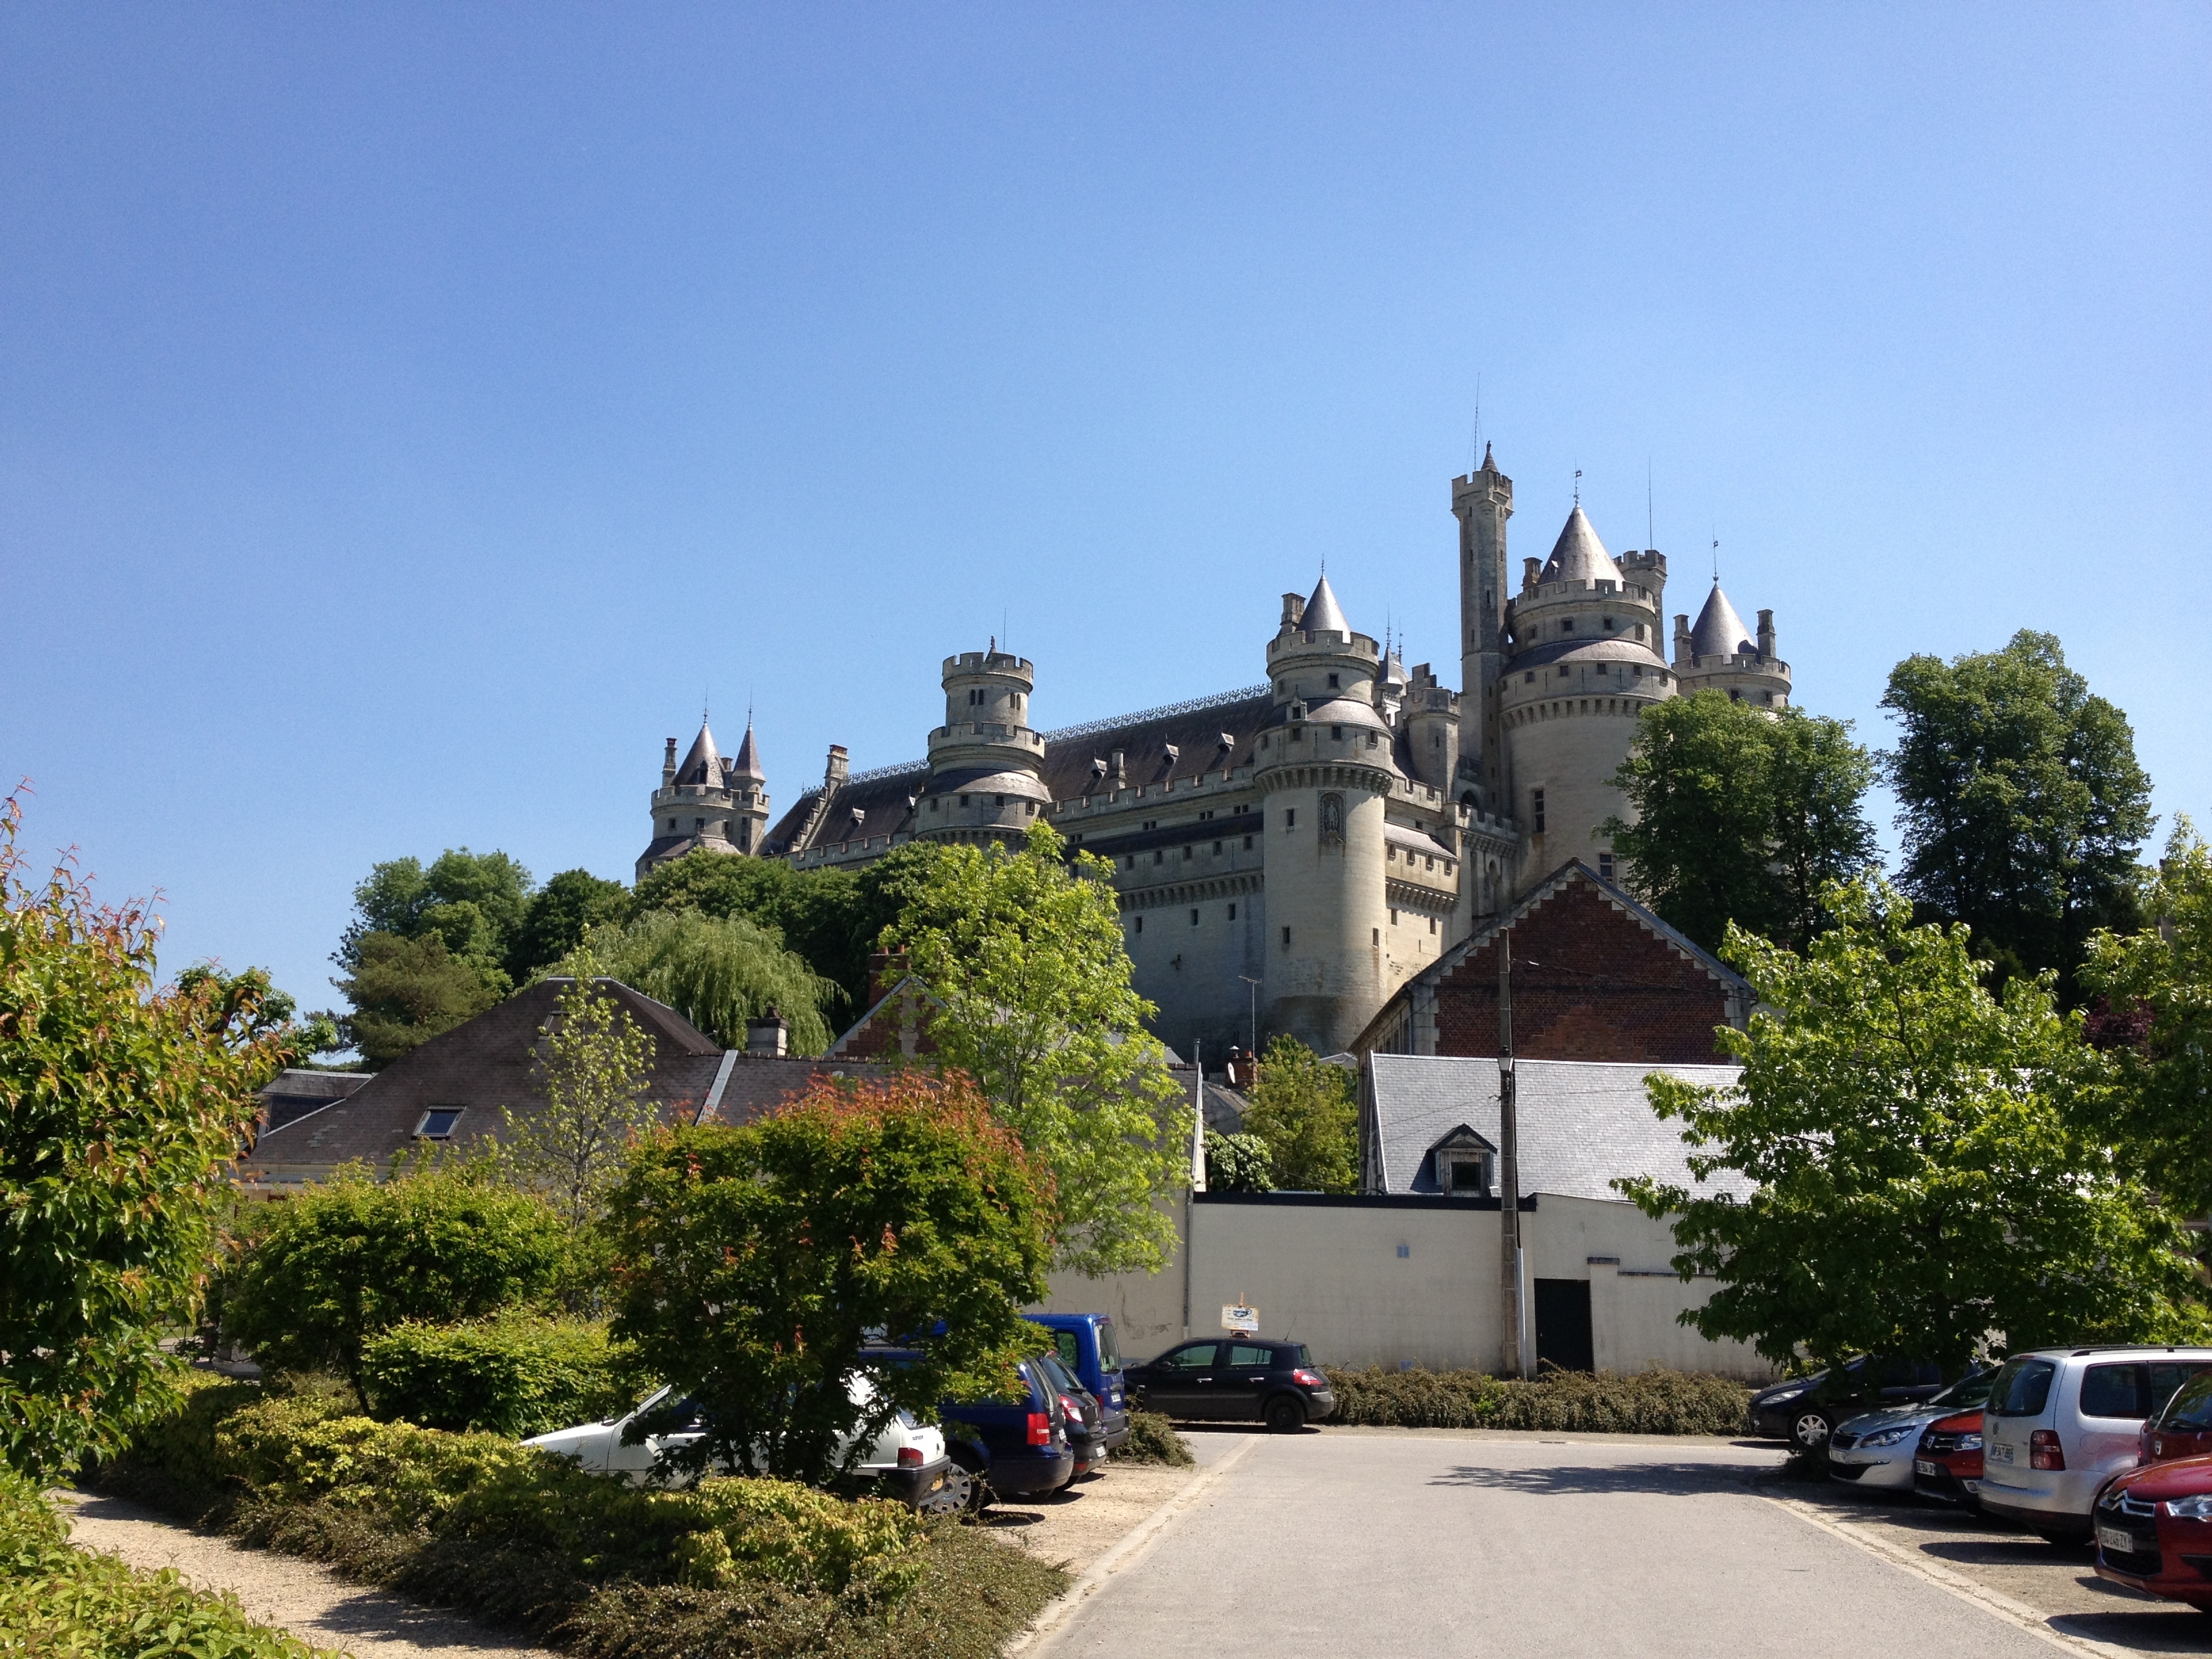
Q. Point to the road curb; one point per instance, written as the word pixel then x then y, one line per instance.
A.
pixel 2017 1613
pixel 1048 1624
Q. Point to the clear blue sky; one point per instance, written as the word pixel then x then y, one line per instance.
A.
pixel 408 413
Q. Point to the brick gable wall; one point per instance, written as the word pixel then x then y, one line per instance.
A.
pixel 1602 987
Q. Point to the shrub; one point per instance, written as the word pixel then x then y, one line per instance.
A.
pixel 344 1260
pixel 1152 1439
pixel 60 1601
pixel 513 1374
pixel 1643 1402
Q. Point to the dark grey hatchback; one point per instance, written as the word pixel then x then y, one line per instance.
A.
pixel 1232 1380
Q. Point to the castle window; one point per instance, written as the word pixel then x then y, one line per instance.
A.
pixel 998 800
pixel 1140 924
pixel 1530 677
pixel 1563 671
pixel 1735 697
pixel 672 826
pixel 1567 626
pixel 1247 843
pixel 1336 734
pixel 698 824
pixel 933 806
pixel 1332 683
pixel 1189 853
pixel 1536 810
pixel 1390 854
pixel 1232 913
pixel 1436 740
pixel 1432 924
pixel 1286 938
pixel 1297 735
pixel 1216 849
pixel 1371 740
pixel 1394 915
pixel 1605 866
pixel 1375 935
pixel 1132 860
pixel 1639 630
pixel 1158 857
pixel 964 800
pixel 1291 818
pixel 1033 814
pixel 1193 918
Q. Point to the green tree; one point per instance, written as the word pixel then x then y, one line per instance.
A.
pixel 2022 808
pixel 121 1108
pixel 1924 1173
pixel 1239 1164
pixel 718 972
pixel 594 1067
pixel 558 917
pixel 324 1272
pixel 1302 1112
pixel 406 991
pixel 1741 816
pixel 2162 974
pixel 753 1262
pixel 1024 959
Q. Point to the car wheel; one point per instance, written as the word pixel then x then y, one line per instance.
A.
pixel 1809 1430
pixel 955 1497
pixel 1285 1415
pixel 976 1490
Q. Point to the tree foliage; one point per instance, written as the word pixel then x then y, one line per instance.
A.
pixel 406 991
pixel 558 917
pixel 1303 1113
pixel 1024 959
pixel 2162 1110
pixel 1741 816
pixel 1239 1164
pixel 1926 1175
pixel 2022 807
pixel 718 972
pixel 752 1261
pixel 121 1107
pixel 325 1271
pixel 594 1067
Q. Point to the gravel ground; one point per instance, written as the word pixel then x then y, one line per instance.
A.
pixel 310 1602
pixel 1073 1528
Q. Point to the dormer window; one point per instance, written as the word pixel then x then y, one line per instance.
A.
pixel 1464 1163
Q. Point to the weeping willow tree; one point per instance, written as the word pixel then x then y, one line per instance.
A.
pixel 718 972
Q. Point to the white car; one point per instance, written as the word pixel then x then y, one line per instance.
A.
pixel 908 1459
pixel 1874 1449
pixel 2061 1420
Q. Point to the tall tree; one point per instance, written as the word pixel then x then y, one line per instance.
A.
pixel 1023 958
pixel 558 917
pixel 2022 807
pixel 2162 974
pixel 1303 1113
pixel 406 991
pixel 1741 816
pixel 1925 1160
pixel 718 972
pixel 594 1067
pixel 121 1107
pixel 427 947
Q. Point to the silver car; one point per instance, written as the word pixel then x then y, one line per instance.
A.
pixel 1874 1449
pixel 2061 1420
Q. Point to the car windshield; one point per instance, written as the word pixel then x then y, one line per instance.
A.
pixel 1110 1350
pixel 2190 1408
pixel 1059 1374
pixel 1972 1389
pixel 2022 1389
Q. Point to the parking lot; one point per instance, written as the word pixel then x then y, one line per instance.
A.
pixel 1391 1541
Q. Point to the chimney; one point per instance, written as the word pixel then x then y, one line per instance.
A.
pixel 668 764
pixel 1294 609
pixel 1682 640
pixel 1766 636
pixel 767 1037
pixel 835 774
pixel 1530 569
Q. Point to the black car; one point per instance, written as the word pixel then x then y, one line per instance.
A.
pixel 1086 1423
pixel 1805 1410
pixel 1234 1379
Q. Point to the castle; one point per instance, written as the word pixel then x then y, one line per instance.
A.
pixel 1288 854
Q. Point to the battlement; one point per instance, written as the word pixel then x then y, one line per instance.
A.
pixel 1294 641
pixel 991 662
pixel 1554 592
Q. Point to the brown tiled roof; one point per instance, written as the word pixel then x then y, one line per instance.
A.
pixel 480 1066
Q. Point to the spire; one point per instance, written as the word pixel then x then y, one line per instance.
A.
pixel 748 765
pixel 1322 613
pixel 703 764
pixel 1578 555
pixel 1719 631
pixel 1488 465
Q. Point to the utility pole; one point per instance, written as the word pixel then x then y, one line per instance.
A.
pixel 1509 1172
pixel 1254 984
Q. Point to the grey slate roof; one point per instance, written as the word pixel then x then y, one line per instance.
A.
pixel 702 764
pixel 1323 614
pixel 747 764
pixel 1578 555
pixel 1582 1122
pixel 1719 631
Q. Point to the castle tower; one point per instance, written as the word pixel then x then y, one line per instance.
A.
pixel 1720 654
pixel 707 801
pixel 1431 726
pixel 1324 771
pixel 986 764
pixel 1482 501
pixel 1583 665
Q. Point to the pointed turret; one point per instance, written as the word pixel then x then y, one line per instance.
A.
pixel 1719 632
pixel 747 764
pixel 703 764
pixel 1323 614
pixel 1578 555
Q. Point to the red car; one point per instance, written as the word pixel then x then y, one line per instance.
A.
pixel 2182 1427
pixel 1948 1465
pixel 2155 1530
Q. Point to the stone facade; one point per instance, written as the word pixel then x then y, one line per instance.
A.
pixel 1291 854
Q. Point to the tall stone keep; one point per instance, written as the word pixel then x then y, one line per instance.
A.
pixel 1482 502
pixel 986 764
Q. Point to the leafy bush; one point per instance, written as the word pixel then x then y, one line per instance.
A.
pixel 514 1374
pixel 329 1269
pixel 1152 1439
pixel 1645 1402
pixel 62 1601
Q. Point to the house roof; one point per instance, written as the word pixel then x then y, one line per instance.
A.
pixel 1581 1124
pixel 295 1091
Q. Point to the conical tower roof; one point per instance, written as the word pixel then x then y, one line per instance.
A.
pixel 1578 555
pixel 1720 632
pixel 1322 613
pixel 703 764
pixel 748 765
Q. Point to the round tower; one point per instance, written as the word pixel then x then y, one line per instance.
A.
pixel 706 801
pixel 986 764
pixel 1583 665
pixel 1324 771
pixel 1719 653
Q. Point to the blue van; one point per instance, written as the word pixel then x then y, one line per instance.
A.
pixel 1086 1345
pixel 1012 1448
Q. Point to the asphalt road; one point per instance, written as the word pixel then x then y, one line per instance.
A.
pixel 1393 1543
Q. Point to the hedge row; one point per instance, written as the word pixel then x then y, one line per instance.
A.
pixel 58 1600
pixel 514 1373
pixel 730 1568
pixel 1643 1402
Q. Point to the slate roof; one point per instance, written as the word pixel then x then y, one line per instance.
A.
pixel 1581 1123
pixel 747 764
pixel 1719 631
pixel 294 1091
pixel 1578 555
pixel 702 764
pixel 1323 614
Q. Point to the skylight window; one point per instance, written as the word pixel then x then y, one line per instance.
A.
pixel 438 1123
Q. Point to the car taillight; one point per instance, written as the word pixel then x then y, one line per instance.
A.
pixel 1306 1379
pixel 2044 1451
pixel 1040 1429
pixel 1074 1411
pixel 909 1457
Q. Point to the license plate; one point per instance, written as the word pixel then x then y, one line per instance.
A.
pixel 1997 1453
pixel 2113 1538
pixel 1926 1465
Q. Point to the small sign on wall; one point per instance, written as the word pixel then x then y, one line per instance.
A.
pixel 1239 1320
